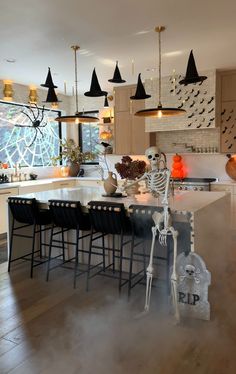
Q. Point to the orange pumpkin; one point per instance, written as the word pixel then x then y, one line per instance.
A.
pixel 177 158
pixel 177 165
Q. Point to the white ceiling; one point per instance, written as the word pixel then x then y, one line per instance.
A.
pixel 39 33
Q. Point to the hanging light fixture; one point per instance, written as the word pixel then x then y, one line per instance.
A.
pixel 106 104
pixel 159 111
pixel 78 117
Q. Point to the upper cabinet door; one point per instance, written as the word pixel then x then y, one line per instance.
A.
pixel 122 99
pixel 228 85
pixel 123 136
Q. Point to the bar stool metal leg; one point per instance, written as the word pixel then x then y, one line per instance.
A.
pixel 121 261
pixel 89 259
pixel 11 245
pixel 33 250
pixel 76 256
pixel 50 253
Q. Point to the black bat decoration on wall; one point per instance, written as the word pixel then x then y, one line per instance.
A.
pixel 187 98
pixel 232 126
pixel 230 146
pixel 180 98
pixel 226 141
pixel 209 124
pixel 191 115
pixel 227 120
pixel 180 106
pixel 190 124
pixel 232 111
pixel 202 111
pixel 211 119
pixel 178 92
pixel 203 120
pixel 201 101
pixel 234 137
pixel 211 110
pixel 211 99
pixel 198 92
pixel 200 83
pixel 198 127
pixel 192 104
pixel 222 113
pixel 224 131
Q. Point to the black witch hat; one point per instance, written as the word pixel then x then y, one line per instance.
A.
pixel 51 96
pixel 49 82
pixel 106 104
pixel 95 89
pixel 140 93
pixel 117 76
pixel 191 72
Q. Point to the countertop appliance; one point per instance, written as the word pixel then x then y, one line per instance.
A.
pixel 193 184
pixel 4 178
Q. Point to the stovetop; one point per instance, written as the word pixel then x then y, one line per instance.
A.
pixel 195 180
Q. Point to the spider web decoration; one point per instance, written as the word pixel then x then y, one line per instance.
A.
pixel 25 141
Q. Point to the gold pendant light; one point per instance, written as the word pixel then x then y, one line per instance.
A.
pixel 78 117
pixel 159 111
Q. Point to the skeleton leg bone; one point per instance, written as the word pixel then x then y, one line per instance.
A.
pixel 150 271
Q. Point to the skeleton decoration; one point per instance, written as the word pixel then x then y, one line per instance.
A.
pixel 37 121
pixel 192 286
pixel 158 183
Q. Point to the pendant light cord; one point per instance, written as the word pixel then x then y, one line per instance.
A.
pixel 75 49
pixel 159 83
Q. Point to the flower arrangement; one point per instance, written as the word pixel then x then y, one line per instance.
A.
pixel 130 169
pixel 71 153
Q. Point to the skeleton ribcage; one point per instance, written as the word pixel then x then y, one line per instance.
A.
pixel 156 182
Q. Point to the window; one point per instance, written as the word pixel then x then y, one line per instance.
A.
pixel 89 136
pixel 20 142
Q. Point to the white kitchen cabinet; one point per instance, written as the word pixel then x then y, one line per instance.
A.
pixel 34 188
pixel 230 188
pixel 63 184
pixel 89 183
pixel 4 194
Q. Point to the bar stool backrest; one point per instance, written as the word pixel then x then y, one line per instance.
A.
pixel 108 217
pixel 24 210
pixel 68 214
pixel 141 219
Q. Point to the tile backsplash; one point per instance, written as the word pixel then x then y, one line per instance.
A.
pixel 184 141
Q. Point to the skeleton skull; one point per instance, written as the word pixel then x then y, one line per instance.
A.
pixel 190 270
pixel 153 155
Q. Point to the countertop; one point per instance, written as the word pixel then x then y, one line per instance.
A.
pixel 44 181
pixel 188 201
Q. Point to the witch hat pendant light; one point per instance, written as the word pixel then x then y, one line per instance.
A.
pixel 117 76
pixel 159 111
pixel 77 117
pixel 51 96
pixel 191 75
pixel 140 93
pixel 49 82
pixel 95 89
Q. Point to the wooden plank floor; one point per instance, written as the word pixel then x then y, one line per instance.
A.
pixel 52 328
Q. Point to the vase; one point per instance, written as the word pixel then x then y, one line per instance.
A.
pixel 230 167
pixel 74 169
pixel 110 183
pixel 132 190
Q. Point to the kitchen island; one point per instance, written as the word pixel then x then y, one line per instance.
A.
pixel 207 215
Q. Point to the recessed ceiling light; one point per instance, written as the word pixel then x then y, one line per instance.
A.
pixel 173 53
pixel 142 32
pixel 10 60
pixel 151 69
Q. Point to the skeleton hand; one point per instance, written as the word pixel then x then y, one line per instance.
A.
pixel 163 237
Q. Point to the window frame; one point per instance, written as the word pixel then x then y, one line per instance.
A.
pixel 81 138
pixel 46 109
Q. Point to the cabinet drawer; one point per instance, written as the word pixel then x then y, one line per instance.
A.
pixel 36 188
pixel 63 184
pixel 222 187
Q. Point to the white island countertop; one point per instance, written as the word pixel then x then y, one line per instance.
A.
pixel 189 201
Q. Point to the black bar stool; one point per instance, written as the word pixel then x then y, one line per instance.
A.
pixel 142 223
pixel 108 218
pixel 27 211
pixel 66 216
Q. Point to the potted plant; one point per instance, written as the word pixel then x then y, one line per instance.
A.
pixel 131 170
pixel 72 156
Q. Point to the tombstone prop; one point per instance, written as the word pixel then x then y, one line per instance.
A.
pixel 193 280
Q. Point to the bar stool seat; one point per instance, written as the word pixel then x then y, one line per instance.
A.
pixel 27 212
pixel 67 215
pixel 108 218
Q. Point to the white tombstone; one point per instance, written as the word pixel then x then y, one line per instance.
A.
pixel 193 280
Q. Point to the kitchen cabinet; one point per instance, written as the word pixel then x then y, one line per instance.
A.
pixel 4 194
pixel 230 188
pixel 31 188
pixel 89 183
pixel 227 84
pixel 129 130
pixel 63 184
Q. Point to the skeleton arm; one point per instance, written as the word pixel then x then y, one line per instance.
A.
pixel 144 176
